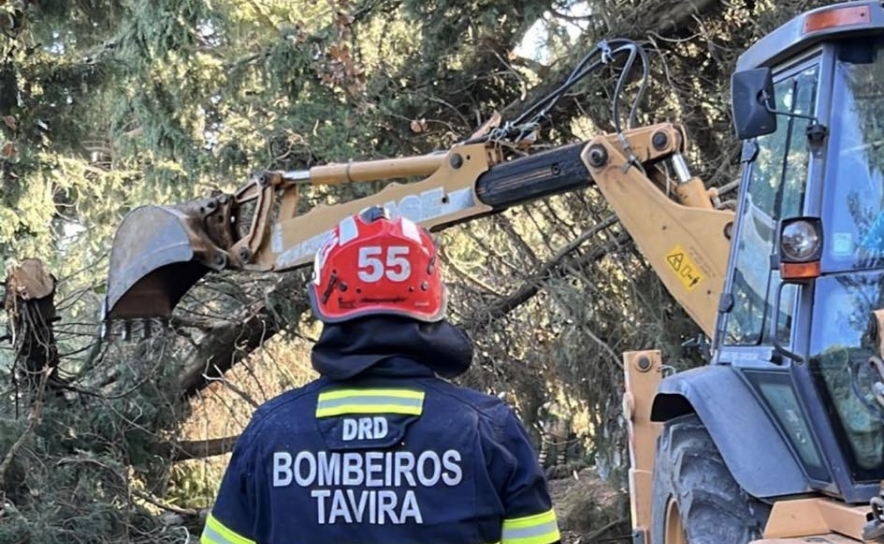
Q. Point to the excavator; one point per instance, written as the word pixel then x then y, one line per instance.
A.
pixel 780 436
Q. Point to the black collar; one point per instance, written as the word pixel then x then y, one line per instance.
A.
pixel 391 346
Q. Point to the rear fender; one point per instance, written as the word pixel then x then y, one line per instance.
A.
pixel 742 430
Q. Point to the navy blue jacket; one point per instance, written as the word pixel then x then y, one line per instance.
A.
pixel 408 459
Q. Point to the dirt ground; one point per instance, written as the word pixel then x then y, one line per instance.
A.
pixel 589 510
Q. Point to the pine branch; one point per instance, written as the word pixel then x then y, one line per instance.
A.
pixel 33 421
pixel 194 449
pixel 226 344
pixel 664 17
pixel 561 261
pixel 187 512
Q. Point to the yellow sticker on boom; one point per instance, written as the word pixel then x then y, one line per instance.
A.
pixel 687 272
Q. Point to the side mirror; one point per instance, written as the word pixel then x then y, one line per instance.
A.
pixel 752 103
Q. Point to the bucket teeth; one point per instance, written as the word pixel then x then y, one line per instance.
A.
pixel 134 329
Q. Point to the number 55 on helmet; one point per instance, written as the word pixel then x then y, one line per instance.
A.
pixel 374 264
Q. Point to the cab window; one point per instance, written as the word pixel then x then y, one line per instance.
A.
pixel 776 181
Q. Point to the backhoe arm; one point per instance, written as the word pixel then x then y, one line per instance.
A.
pixel 160 252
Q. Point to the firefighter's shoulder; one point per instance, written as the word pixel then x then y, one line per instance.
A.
pixel 490 409
pixel 292 408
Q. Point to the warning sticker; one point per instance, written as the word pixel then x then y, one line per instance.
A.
pixel 687 272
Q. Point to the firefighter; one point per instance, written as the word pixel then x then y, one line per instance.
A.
pixel 381 447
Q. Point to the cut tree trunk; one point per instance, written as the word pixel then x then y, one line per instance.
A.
pixel 30 309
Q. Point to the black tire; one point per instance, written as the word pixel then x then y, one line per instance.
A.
pixel 713 508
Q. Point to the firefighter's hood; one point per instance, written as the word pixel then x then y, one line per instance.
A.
pixel 352 347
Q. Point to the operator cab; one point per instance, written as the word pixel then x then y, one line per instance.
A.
pixel 798 315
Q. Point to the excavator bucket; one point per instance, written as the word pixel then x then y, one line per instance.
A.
pixel 158 254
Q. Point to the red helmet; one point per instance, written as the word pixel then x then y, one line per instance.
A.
pixel 372 264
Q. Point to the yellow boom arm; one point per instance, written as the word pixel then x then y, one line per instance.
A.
pixel 159 252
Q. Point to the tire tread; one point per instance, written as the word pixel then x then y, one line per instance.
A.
pixel 714 508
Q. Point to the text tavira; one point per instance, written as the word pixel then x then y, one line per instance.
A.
pixel 381 483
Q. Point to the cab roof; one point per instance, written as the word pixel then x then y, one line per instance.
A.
pixel 846 19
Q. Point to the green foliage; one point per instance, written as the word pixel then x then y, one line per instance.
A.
pixel 74 477
pixel 105 106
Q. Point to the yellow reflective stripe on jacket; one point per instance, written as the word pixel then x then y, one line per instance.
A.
pixel 537 529
pixel 216 533
pixel 370 401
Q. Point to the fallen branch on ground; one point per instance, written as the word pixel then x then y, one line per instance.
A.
pixel 188 512
pixel 195 449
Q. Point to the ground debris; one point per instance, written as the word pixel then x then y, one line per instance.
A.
pixel 589 509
